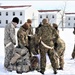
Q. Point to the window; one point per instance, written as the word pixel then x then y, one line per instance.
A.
pixel 68 24
pixel 0 21
pixel 69 18
pixel 53 16
pixel 13 13
pixel 6 13
pixel 46 16
pixel 74 24
pixel 6 21
pixel 0 13
pixel 20 21
pixel 20 13
pixel 40 16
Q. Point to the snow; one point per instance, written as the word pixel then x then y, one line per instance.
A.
pixel 69 66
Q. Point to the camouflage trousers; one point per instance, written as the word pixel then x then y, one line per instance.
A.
pixel 52 56
pixel 73 53
pixel 35 63
pixel 9 52
pixel 60 60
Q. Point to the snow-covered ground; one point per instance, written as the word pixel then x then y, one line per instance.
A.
pixel 69 67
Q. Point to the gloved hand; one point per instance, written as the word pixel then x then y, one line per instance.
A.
pixel 14 43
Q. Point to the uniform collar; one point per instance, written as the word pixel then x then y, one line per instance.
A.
pixel 12 25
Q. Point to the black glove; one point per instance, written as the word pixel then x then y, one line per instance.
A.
pixel 14 43
pixel 55 45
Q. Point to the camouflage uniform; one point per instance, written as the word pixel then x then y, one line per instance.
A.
pixel 60 51
pixel 73 53
pixel 59 46
pixel 22 36
pixel 23 45
pixel 9 42
pixel 46 33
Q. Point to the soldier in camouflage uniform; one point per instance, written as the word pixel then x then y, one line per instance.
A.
pixel 22 35
pixel 9 41
pixel 59 45
pixel 45 37
pixel 73 53
pixel 29 21
pixel 21 56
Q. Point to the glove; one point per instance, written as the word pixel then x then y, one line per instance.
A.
pixel 14 43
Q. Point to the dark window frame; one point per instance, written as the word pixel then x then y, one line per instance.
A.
pixel 68 24
pixel 0 13
pixel 69 18
pixel 21 13
pixel 13 13
pixel 46 16
pixel 0 21
pixel 6 21
pixel 40 16
pixel 6 13
pixel 20 21
pixel 52 16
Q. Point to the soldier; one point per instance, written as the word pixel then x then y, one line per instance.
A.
pixel 38 27
pixel 21 57
pixel 22 35
pixel 73 53
pixel 45 39
pixel 9 41
pixel 36 43
pixel 29 21
pixel 59 46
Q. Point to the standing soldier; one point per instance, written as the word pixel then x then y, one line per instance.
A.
pixel 29 21
pixel 23 64
pixel 45 37
pixel 59 46
pixel 73 53
pixel 22 35
pixel 9 41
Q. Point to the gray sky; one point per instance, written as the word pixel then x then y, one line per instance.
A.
pixel 43 4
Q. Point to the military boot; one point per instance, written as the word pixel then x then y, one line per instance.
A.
pixel 60 68
pixel 41 72
pixel 55 72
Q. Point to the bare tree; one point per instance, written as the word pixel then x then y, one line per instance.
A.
pixel 62 16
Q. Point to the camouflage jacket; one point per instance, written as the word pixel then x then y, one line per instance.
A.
pixel 61 44
pixel 22 36
pixel 47 33
pixel 9 34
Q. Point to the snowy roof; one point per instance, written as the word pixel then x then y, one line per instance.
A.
pixel 6 7
pixel 70 14
pixel 16 8
pixel 48 10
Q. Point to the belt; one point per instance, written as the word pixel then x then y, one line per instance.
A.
pixel 8 44
pixel 46 45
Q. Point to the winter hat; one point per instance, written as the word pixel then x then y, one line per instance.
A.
pixel 44 21
pixel 55 25
pixel 29 21
pixel 15 19
pixel 25 26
